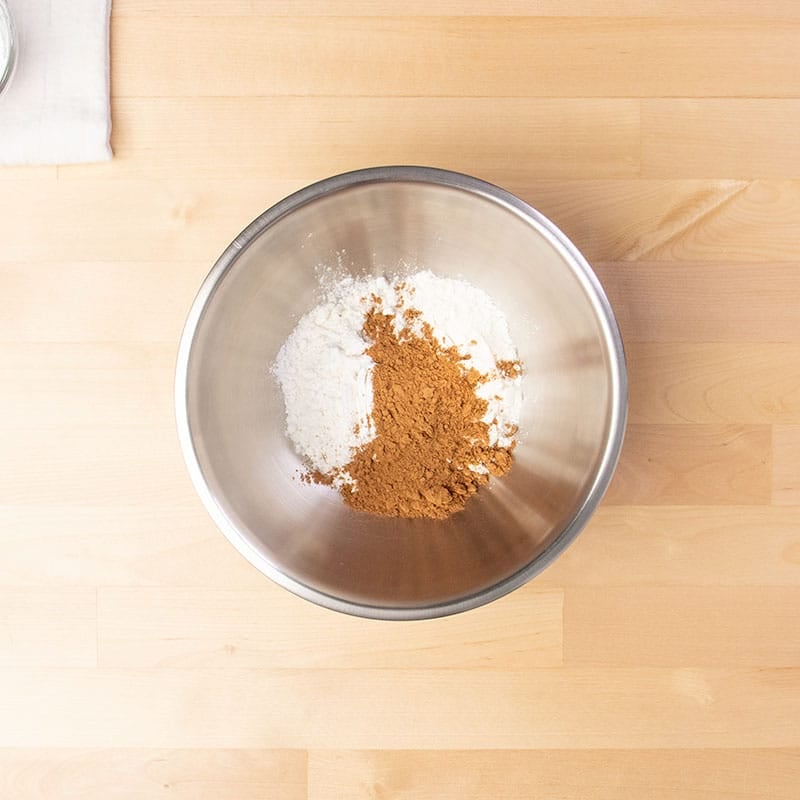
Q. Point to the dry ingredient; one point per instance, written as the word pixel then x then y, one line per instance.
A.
pixel 405 395
pixel 326 378
pixel 430 433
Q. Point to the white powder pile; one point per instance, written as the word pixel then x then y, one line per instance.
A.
pixel 326 375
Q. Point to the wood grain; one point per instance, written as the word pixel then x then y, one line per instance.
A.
pixel 172 543
pixel 559 137
pixel 745 382
pixel 99 386
pixel 721 221
pixel 414 56
pixel 27 172
pixel 125 468
pixel 706 138
pixel 164 222
pixel 741 228
pixel 190 628
pixel 669 302
pixel 142 657
pixel 728 223
pixel 565 774
pixel 673 627
pixel 400 709
pixel 786 473
pixel 693 464
pixel 112 294
pixel 164 545
pixel 34 774
pixel 784 9
pixel 566 138
pixel 683 546
pixel 48 627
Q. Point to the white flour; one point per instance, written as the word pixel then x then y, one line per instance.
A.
pixel 326 377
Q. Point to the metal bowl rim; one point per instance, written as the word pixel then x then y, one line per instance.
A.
pixel 572 257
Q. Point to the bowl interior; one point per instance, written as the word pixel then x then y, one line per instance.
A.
pixel 303 535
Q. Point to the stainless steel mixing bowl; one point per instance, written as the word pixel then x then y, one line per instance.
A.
pixel 231 416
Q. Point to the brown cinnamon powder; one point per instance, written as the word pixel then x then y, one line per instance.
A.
pixel 429 428
pixel 509 369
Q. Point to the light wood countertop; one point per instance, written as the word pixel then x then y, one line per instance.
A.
pixel 659 658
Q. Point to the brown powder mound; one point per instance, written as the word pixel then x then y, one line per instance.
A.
pixel 428 429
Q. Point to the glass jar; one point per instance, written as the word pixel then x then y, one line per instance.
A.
pixel 8 46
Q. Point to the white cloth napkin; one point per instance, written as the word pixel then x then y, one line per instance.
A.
pixel 56 108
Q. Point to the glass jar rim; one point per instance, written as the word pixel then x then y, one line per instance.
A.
pixel 8 58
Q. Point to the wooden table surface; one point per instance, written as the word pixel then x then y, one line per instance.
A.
pixel 141 657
